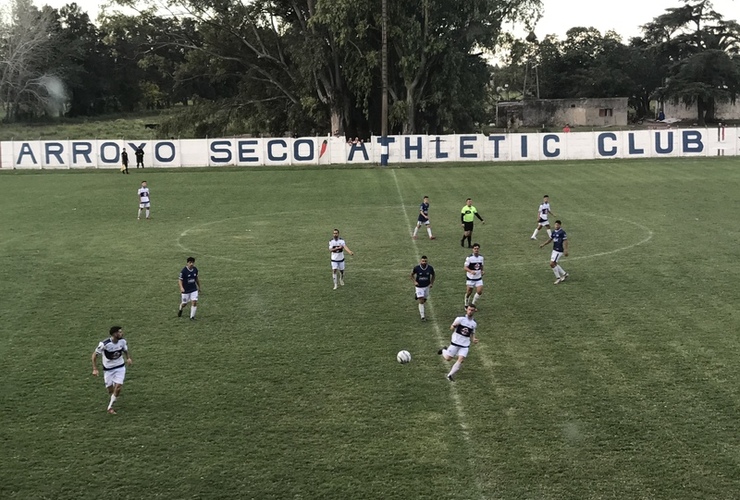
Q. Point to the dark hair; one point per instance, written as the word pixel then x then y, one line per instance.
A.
pixel 476 245
pixel 114 329
pixel 546 196
pixel 191 259
pixel 426 197
pixel 423 256
pixel 469 199
pixel 143 182
pixel 558 222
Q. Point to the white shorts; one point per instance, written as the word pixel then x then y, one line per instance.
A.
pixel 474 283
pixel 543 222
pixel 115 376
pixel 337 265
pixel 189 297
pixel 454 351
pixel 555 256
pixel 144 205
pixel 422 292
pixel 423 222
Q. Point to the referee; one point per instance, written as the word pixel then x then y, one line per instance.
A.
pixel 467 216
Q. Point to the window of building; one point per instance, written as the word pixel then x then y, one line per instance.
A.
pixel 606 112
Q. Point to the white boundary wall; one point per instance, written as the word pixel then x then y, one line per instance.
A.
pixel 401 149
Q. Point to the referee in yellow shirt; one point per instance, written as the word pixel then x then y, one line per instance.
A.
pixel 467 216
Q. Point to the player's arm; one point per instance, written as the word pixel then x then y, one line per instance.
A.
pixel 348 250
pixel 95 362
pixel 454 325
pixel 479 217
pixel 462 218
pixel 466 268
pixel 431 281
pixel 129 361
pixel 179 283
pixel 473 338
pixel 546 243
pixel 197 282
pixel 565 247
pixel 413 278
pixel 551 212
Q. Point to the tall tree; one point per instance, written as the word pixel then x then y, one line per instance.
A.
pixel 698 50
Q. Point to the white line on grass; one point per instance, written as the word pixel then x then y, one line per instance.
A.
pixel 442 340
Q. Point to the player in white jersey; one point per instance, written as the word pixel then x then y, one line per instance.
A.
pixel 474 273
pixel 543 213
pixel 114 352
pixel 337 246
pixel 144 202
pixel 463 334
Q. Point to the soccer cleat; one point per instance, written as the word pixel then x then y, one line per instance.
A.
pixel 562 278
pixel 192 319
pixel 341 281
pixel 111 411
pixel 449 377
pixel 413 237
pixel 423 318
pixel 557 281
pixel 462 244
pixel 441 351
pixel 179 313
pixel 533 238
pixel 335 286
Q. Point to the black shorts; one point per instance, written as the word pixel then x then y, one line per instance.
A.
pixel 467 226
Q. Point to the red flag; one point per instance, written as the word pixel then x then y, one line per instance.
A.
pixel 323 148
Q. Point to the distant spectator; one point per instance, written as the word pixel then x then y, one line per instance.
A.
pixel 661 116
pixel 139 157
pixel 124 161
pixel 566 129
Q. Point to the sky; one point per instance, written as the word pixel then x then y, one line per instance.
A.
pixel 623 16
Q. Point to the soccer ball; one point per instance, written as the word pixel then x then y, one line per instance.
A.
pixel 403 357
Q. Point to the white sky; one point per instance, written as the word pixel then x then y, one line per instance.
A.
pixel 623 16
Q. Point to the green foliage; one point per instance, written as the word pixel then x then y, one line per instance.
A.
pixel 621 382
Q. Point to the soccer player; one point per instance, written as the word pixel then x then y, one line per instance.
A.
pixel 423 277
pixel 543 212
pixel 559 248
pixel 474 273
pixel 467 217
pixel 143 200
pixel 337 246
pixel 423 218
pixel 113 351
pixel 463 334
pixel 189 288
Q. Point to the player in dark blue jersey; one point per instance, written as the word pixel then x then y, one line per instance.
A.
pixel 423 219
pixel 559 249
pixel 189 287
pixel 423 277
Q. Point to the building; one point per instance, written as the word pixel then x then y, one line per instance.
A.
pixel 584 112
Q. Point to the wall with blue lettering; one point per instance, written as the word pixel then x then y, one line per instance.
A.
pixel 400 149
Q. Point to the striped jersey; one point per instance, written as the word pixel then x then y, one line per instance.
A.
pixel 337 249
pixel 112 353
pixel 144 195
pixel 464 329
pixel 476 265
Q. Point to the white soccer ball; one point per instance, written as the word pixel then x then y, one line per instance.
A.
pixel 403 357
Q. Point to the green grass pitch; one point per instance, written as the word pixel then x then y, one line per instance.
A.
pixel 620 383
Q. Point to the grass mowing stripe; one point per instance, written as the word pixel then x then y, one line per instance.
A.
pixel 442 340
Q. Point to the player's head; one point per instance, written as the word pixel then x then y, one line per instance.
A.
pixel 476 248
pixel 336 233
pixel 469 201
pixel 470 310
pixel 190 262
pixel 558 224
pixel 546 197
pixel 426 199
pixel 423 260
pixel 116 332
pixel 143 183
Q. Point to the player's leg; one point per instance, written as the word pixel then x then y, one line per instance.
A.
pixel 341 274
pixel 549 231
pixel 429 231
pixel 468 293
pixel 193 308
pixel 536 231
pixel 448 352
pixel 416 229
pixel 147 210
pixel 184 299
pixel 470 239
pixel 460 358
pixel 335 273
pixel 562 272
pixel 554 266
pixel 478 293
pixel 138 214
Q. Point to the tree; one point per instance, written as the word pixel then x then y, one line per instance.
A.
pixel 698 52
pixel 28 87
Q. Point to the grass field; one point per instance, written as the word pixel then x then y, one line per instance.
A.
pixel 620 383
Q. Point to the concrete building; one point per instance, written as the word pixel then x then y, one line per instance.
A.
pixel 586 112
pixel 725 111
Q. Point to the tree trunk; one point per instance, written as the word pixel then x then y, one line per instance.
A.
pixel 701 109
pixel 409 126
